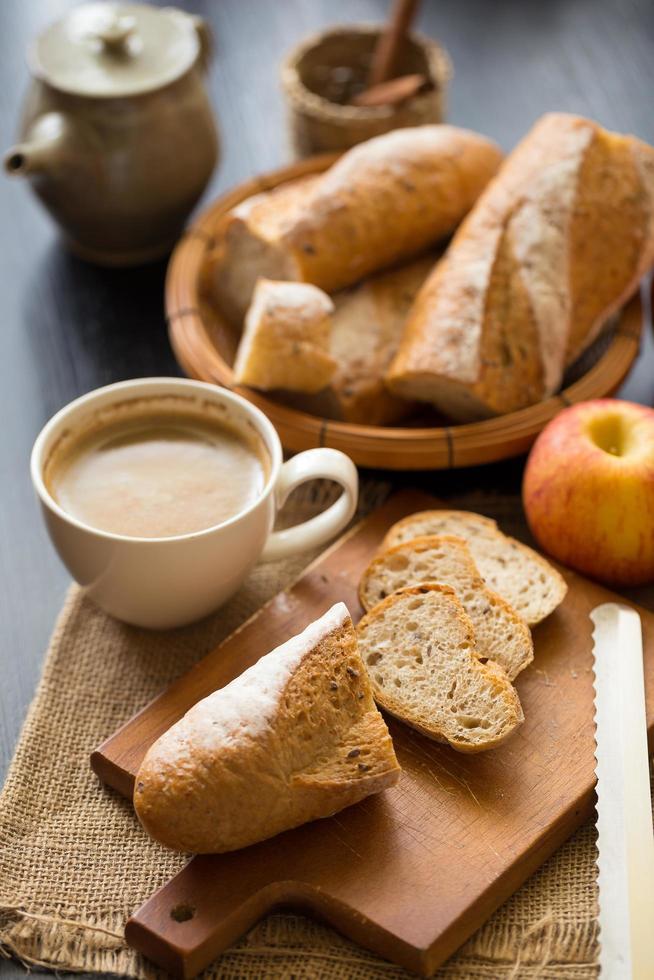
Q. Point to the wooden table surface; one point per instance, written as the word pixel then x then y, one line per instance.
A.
pixel 69 327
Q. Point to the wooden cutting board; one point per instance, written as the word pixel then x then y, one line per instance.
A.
pixel 413 872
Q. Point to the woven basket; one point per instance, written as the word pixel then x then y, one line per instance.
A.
pixel 327 69
pixel 205 344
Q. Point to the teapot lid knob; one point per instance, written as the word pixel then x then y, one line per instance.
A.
pixel 115 33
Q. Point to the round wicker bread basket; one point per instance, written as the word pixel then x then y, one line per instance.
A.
pixel 205 343
pixel 327 67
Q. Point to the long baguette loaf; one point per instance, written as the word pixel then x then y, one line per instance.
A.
pixel 557 242
pixel 383 201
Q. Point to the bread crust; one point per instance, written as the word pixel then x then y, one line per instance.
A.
pixel 556 243
pixel 388 199
pixel 395 534
pixel 294 738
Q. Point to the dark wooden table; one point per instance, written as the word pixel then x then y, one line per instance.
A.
pixel 69 327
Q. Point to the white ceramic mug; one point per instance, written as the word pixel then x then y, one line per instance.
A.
pixel 160 583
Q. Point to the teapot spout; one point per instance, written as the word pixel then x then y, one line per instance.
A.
pixel 26 158
pixel 41 151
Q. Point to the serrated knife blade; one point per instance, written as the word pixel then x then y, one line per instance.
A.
pixel 624 811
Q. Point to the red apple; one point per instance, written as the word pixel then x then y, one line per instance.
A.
pixel 588 490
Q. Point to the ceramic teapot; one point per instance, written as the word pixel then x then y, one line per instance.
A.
pixel 118 138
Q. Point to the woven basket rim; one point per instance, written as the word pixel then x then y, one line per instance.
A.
pixel 303 100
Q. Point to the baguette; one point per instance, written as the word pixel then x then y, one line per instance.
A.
pixel 500 634
pixel 519 574
pixel 554 246
pixel 295 737
pixel 419 648
pixel 383 201
pixel 285 343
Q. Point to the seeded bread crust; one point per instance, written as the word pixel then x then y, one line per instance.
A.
pixel 516 572
pixel 419 649
pixel 500 634
pixel 295 737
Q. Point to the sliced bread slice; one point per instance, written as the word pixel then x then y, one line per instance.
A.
pixel 419 649
pixel 519 574
pixel 295 737
pixel 500 634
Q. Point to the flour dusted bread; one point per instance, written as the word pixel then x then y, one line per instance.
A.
pixel 519 574
pixel 285 342
pixel 500 634
pixel 383 201
pixel 555 244
pixel 419 648
pixel 295 737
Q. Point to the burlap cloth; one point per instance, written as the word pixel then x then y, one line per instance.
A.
pixel 74 863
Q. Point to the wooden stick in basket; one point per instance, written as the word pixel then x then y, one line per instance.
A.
pixel 386 52
pixel 392 92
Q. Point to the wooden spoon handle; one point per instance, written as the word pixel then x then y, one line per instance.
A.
pixel 387 50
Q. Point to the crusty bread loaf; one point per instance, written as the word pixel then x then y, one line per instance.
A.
pixel 419 648
pixel 285 343
pixel 556 243
pixel 518 573
pixel 500 634
pixel 241 256
pixel 383 201
pixel 366 329
pixel 295 737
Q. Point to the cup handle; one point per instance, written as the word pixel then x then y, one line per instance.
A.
pixel 314 464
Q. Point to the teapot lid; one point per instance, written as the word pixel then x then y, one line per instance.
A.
pixel 116 49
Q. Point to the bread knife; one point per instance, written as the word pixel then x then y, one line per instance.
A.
pixel 624 811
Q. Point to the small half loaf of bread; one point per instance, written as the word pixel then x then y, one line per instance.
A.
pixel 518 573
pixel 419 648
pixel 500 634
pixel 285 343
pixel 295 737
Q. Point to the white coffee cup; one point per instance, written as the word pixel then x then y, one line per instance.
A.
pixel 160 583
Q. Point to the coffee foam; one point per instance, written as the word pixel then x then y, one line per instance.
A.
pixel 153 408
